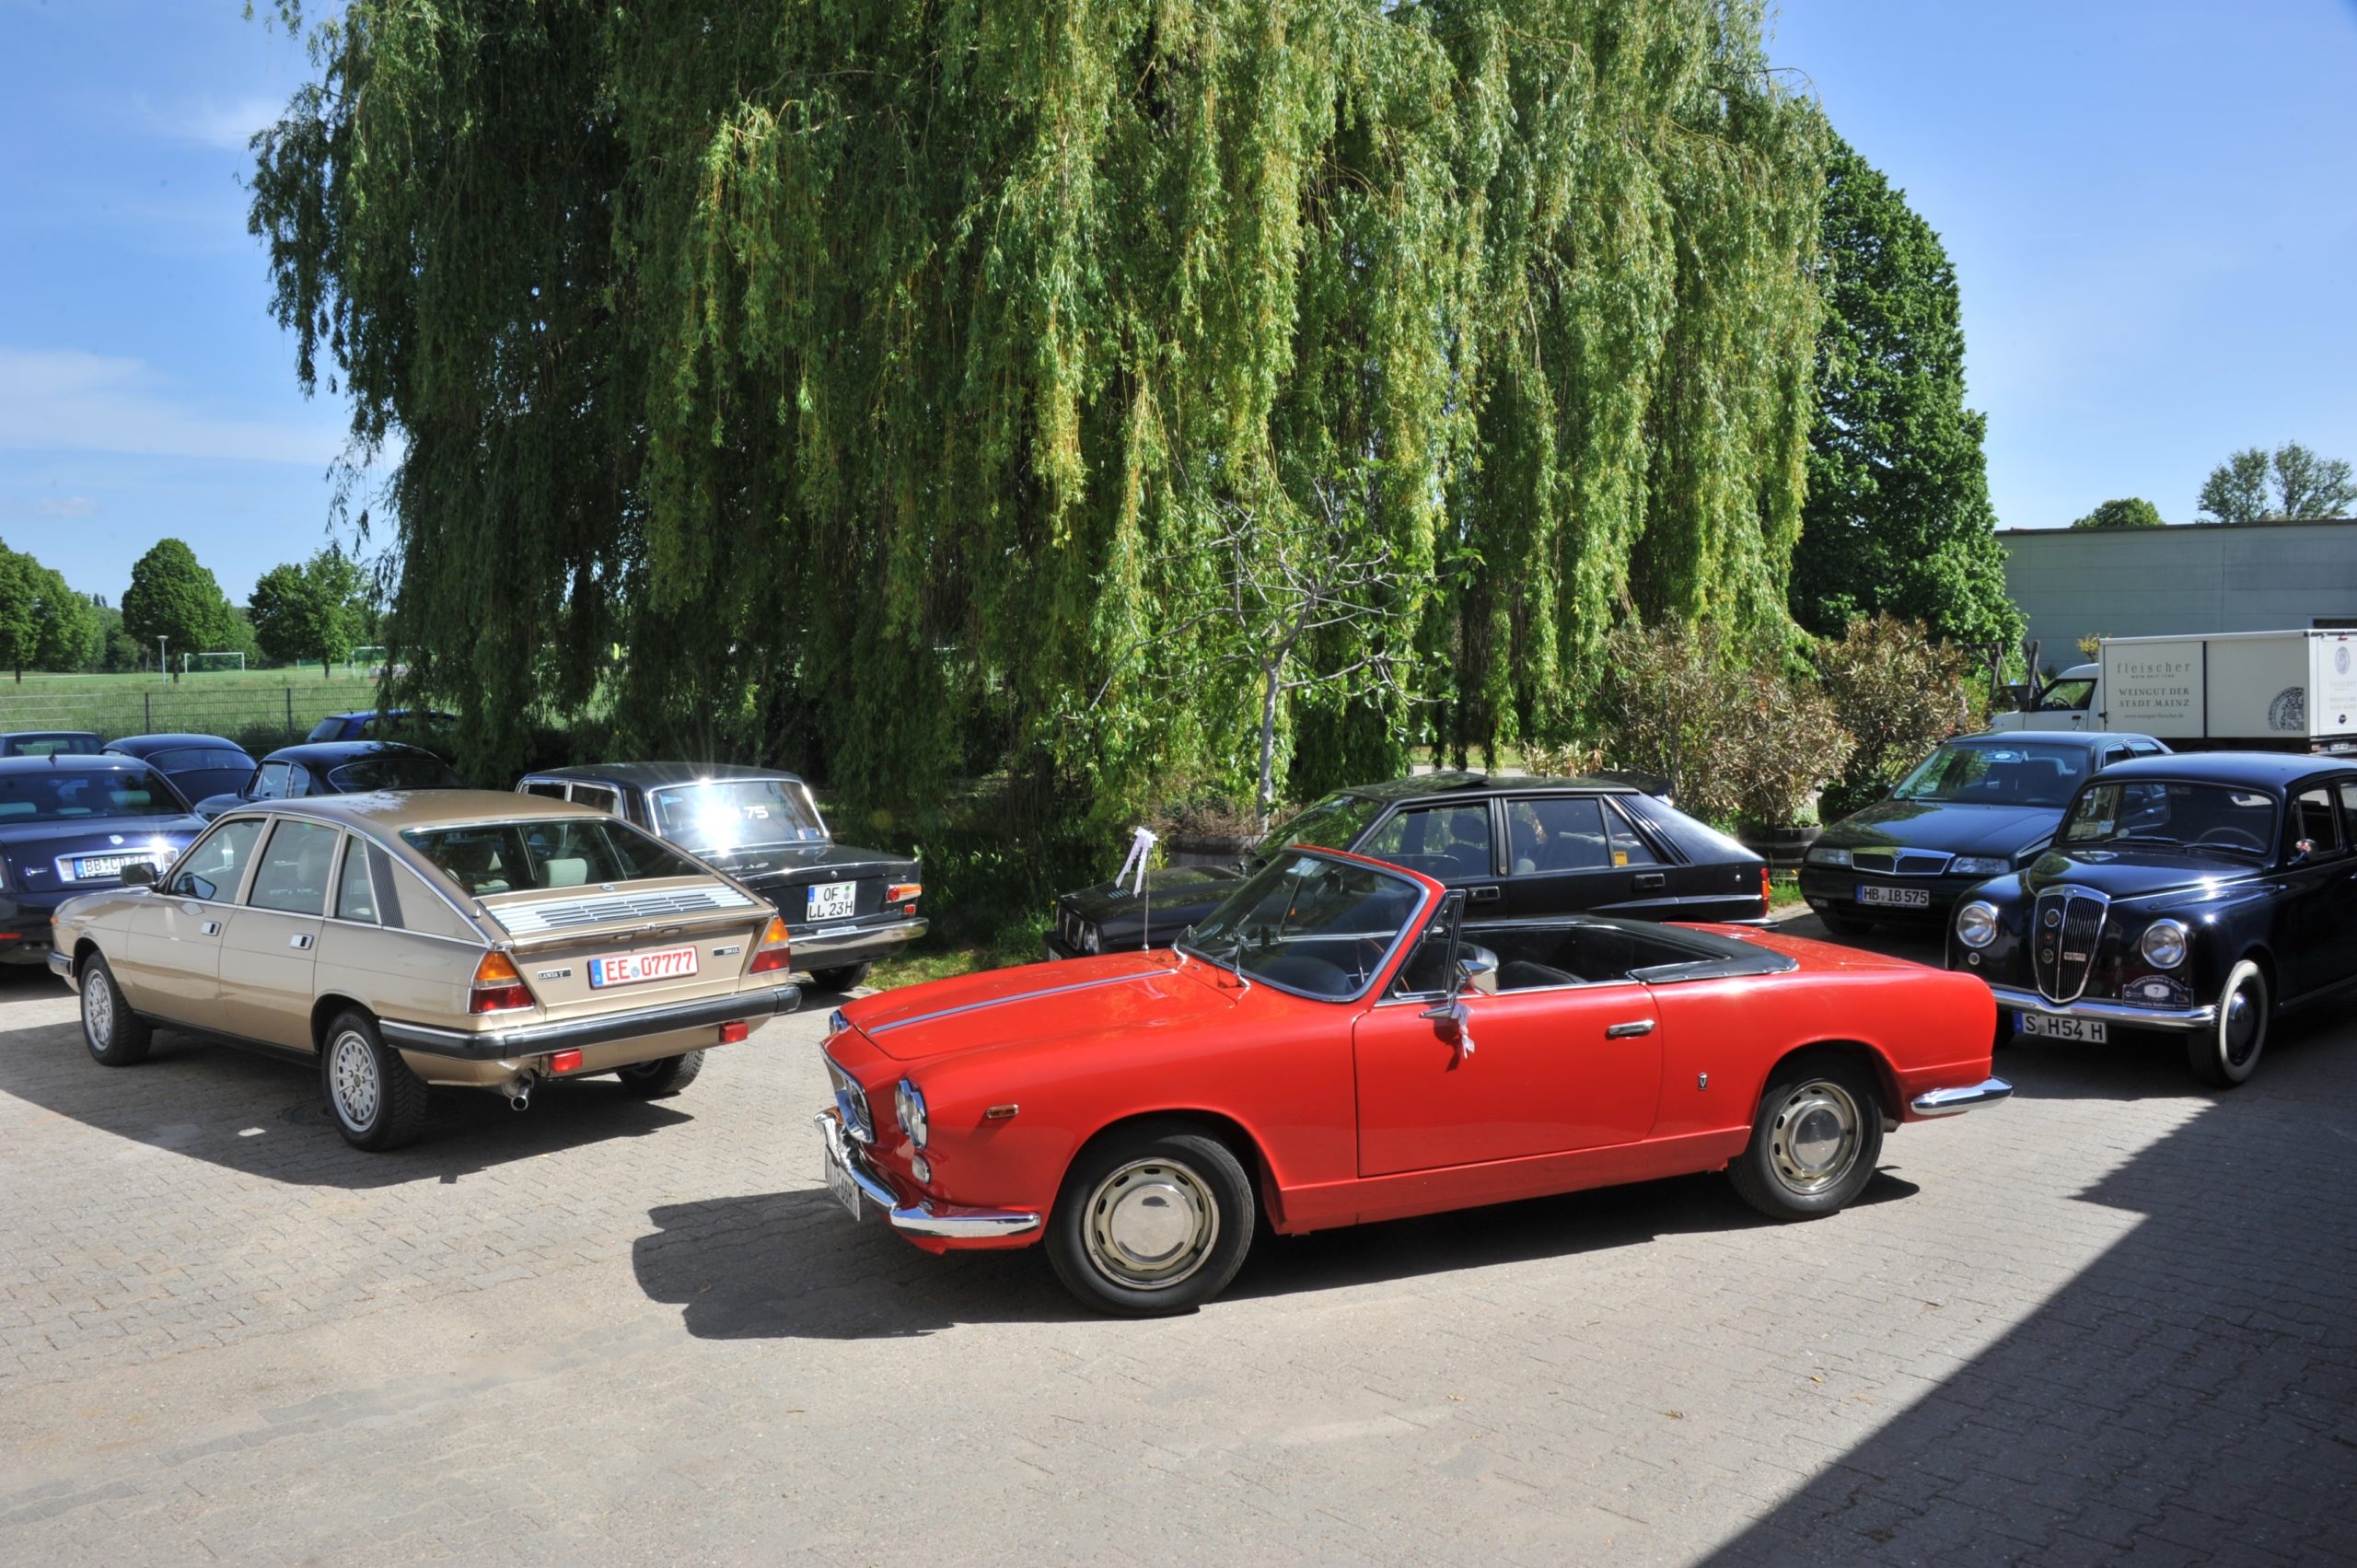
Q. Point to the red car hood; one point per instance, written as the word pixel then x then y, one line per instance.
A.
pixel 1117 996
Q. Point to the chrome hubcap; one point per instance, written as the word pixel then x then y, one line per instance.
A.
pixel 2239 1029
pixel 352 1079
pixel 1815 1137
pixel 98 1009
pixel 1151 1224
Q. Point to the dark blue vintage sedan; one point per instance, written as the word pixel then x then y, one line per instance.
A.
pixel 70 824
pixel 336 767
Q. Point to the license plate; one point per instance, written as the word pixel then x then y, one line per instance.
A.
pixel 1895 897
pixel 635 968
pixel 89 865
pixel 834 900
pixel 2047 1027
pixel 840 1183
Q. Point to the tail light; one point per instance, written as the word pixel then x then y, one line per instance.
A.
pixel 1766 894
pixel 775 952
pixel 902 892
pixel 497 987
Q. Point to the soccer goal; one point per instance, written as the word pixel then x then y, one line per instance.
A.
pixel 199 663
pixel 371 657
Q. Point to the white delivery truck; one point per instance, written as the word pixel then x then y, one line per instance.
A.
pixel 2244 691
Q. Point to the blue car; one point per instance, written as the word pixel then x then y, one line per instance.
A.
pixel 70 824
pixel 392 724
pixel 198 765
pixel 336 767
pixel 44 742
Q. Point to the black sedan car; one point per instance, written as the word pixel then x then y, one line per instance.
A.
pixel 2196 895
pixel 70 824
pixel 335 767
pixel 50 742
pixel 1976 808
pixel 845 907
pixel 198 765
pixel 1519 847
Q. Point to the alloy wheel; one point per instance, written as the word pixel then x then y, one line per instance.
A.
pixel 353 1080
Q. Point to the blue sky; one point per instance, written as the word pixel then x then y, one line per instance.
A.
pixel 2149 206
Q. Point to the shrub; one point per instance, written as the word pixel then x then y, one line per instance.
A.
pixel 1899 694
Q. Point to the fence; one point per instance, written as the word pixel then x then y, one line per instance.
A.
pixel 257 715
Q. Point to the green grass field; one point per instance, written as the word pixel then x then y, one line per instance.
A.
pixel 257 708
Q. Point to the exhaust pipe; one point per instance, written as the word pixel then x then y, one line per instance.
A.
pixel 519 1093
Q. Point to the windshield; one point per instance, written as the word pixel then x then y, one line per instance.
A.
pixel 57 795
pixel 2188 816
pixel 1980 773
pixel 394 772
pixel 1334 822
pixel 732 814
pixel 566 852
pixel 1313 926
pixel 2066 696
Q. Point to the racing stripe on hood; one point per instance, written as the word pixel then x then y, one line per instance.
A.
pixel 1018 996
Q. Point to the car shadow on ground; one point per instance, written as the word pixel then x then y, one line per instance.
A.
pixel 266 1117
pixel 790 1265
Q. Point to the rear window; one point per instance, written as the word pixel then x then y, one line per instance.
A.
pixel 728 813
pixel 189 758
pixel 394 772
pixel 505 857
pixel 51 744
pixel 329 728
pixel 56 794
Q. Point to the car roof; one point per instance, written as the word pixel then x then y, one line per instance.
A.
pixel 1417 787
pixel 654 775
pixel 2085 741
pixel 330 753
pixel 80 761
pixel 40 733
pixel 2278 769
pixel 140 745
pixel 388 712
pixel 390 810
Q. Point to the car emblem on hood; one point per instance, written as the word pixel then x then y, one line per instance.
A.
pixel 115 837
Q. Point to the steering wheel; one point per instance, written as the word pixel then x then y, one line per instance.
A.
pixel 1369 956
pixel 2241 836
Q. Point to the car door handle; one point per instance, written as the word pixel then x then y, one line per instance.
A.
pixel 1652 879
pixel 1633 1027
pixel 300 939
pixel 211 928
pixel 1489 895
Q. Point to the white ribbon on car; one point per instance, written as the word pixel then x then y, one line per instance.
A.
pixel 1141 844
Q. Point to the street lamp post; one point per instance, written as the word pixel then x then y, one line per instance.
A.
pixel 163 665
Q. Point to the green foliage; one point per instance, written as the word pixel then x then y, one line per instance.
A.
pixel 44 625
pixel 2252 486
pixel 317 609
pixel 2128 513
pixel 1897 693
pixel 860 387
pixel 172 595
pixel 1898 516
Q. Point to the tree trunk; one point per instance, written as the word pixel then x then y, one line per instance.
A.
pixel 1271 676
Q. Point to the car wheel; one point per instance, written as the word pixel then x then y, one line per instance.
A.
pixel 841 979
pixel 117 1036
pixel 1152 1221
pixel 1845 925
pixel 1814 1142
pixel 377 1101
pixel 653 1080
pixel 2226 1053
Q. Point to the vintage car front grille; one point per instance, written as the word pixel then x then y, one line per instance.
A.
pixel 2065 924
pixel 532 919
pixel 851 1102
pixel 1900 862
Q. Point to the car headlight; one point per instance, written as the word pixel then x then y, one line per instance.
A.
pixel 1089 940
pixel 1975 924
pixel 1828 854
pixel 1979 865
pixel 908 1103
pixel 2164 944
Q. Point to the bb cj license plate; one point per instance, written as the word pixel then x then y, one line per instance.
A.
pixel 1895 897
pixel 89 865
pixel 634 968
pixel 2047 1027
pixel 834 901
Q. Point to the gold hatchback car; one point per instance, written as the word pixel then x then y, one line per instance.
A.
pixel 442 936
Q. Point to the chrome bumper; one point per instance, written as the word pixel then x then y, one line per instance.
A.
pixel 821 946
pixel 61 966
pixel 916 1219
pixel 535 1040
pixel 1951 1102
pixel 2108 1012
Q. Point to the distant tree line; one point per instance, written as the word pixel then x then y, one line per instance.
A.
pixel 2253 486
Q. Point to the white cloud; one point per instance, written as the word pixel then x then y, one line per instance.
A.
pixel 64 399
pixel 215 124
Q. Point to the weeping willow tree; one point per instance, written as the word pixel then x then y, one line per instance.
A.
pixel 864 386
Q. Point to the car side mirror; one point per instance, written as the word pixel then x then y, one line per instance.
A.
pixel 139 874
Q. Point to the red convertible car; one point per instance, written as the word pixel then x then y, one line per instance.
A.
pixel 1327 1049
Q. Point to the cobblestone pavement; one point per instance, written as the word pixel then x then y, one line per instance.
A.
pixel 2109 1322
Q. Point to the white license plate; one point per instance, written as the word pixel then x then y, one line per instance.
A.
pixel 637 969
pixel 89 865
pixel 834 901
pixel 2047 1026
pixel 1895 897
pixel 840 1183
